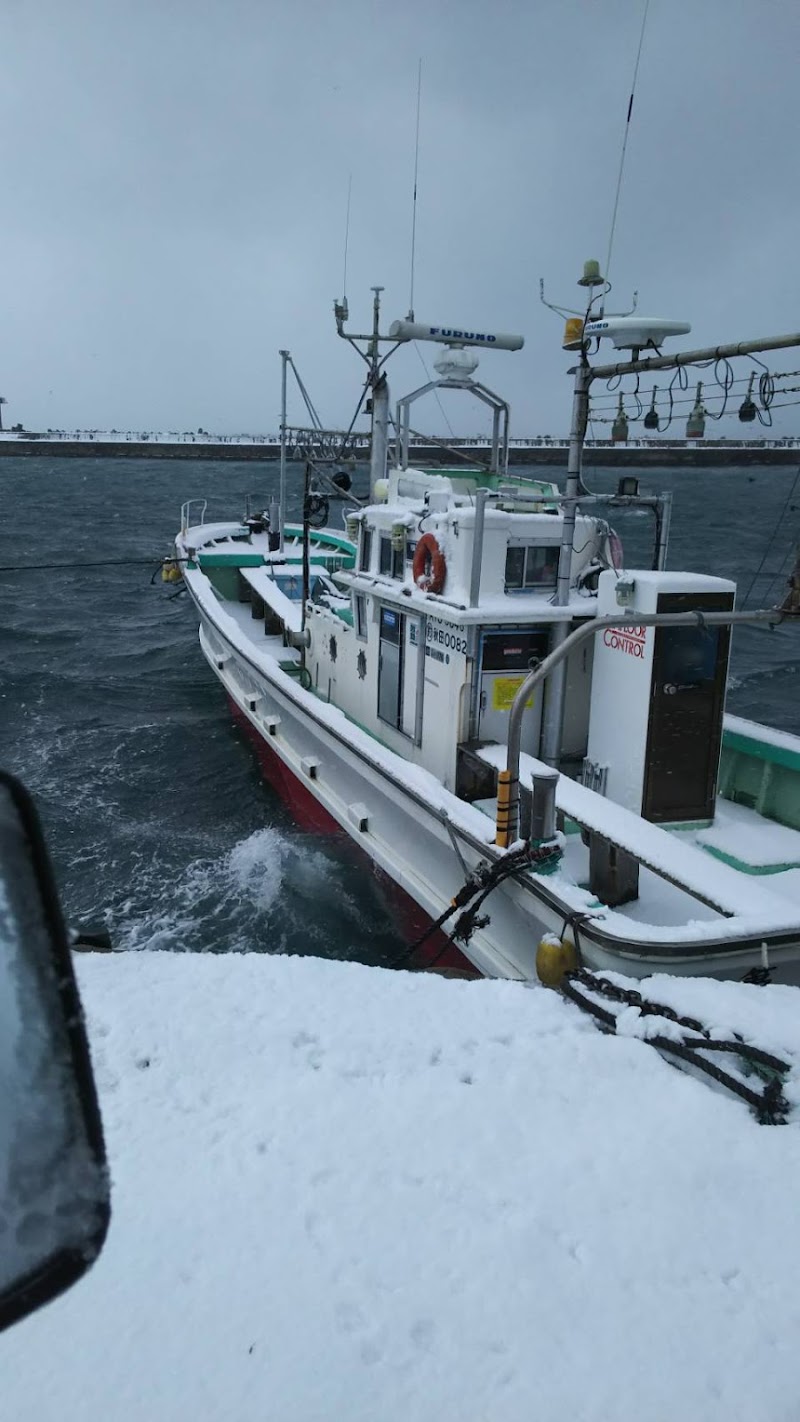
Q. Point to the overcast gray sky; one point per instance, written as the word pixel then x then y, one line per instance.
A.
pixel 174 179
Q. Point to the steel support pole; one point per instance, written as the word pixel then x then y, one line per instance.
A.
pixel 285 357
pixel 380 433
pixel 554 707
pixel 665 501
pixel 481 496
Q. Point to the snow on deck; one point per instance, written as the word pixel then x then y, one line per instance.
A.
pixel 346 1193
pixel 750 838
pixel 712 882
pixel 269 590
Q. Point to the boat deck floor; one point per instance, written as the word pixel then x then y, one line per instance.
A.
pixel 253 628
pixel 659 902
pixel 741 865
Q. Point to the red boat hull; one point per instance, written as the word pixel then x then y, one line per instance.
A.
pixel 438 951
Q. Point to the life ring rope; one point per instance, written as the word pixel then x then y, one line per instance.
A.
pixel 429 567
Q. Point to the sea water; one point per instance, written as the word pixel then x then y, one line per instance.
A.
pixel 160 827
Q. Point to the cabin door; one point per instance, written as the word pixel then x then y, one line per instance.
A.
pixel 390 665
pixel 687 700
pixel 505 659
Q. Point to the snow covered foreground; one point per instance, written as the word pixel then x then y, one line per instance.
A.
pixel 341 1193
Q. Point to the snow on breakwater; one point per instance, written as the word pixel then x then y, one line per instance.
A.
pixel 340 1192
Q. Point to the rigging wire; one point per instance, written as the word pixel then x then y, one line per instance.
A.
pixel 436 392
pixel 471 459
pixel 309 404
pixel 607 271
pixel 772 538
pixel 104 563
pixel 782 576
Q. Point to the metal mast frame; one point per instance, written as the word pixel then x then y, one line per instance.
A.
pixel 585 374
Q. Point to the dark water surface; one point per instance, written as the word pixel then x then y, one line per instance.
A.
pixel 159 824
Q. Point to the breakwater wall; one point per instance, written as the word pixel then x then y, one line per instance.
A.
pixel 650 456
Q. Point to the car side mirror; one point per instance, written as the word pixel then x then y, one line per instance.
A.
pixel 54 1186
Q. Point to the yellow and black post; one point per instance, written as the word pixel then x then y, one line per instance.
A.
pixel 507 797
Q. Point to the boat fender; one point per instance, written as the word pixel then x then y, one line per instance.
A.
pixel 615 550
pixel 429 568
pixel 554 958
pixel 170 570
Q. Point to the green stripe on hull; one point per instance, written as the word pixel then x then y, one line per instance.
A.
pixel 234 559
pixel 761 750
pixel 748 868
pixel 761 775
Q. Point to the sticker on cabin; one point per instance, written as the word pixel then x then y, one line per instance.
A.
pixel 444 635
pixel 626 639
pixel 504 689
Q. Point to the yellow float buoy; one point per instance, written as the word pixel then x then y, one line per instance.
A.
pixel 554 958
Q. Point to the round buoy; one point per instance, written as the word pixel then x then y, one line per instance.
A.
pixel 555 957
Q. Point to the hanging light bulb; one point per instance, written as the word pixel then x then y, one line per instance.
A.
pixel 651 418
pixel 696 423
pixel 747 409
pixel 619 429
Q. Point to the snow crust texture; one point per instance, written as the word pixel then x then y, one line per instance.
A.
pixel 346 1193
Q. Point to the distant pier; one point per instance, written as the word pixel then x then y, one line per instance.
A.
pixel 550 453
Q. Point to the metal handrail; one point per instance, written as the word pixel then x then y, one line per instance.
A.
pixel 185 514
pixel 510 828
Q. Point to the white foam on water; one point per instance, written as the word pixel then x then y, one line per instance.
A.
pixel 229 902
pixel 209 904
pixel 255 867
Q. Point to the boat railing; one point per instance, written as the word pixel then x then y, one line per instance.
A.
pixel 188 520
pixel 508 804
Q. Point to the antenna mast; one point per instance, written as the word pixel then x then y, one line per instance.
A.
pixel 346 239
pixel 624 150
pixel 414 200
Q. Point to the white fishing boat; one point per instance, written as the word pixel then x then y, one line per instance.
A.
pixel 526 739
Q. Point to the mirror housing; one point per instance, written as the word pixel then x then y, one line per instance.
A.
pixel 54 1185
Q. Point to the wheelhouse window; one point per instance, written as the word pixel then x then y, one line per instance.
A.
pixel 390 563
pixel 531 568
pixel 365 557
pixel 360 616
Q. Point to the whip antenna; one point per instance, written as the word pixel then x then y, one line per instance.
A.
pixel 346 238
pixel 624 146
pixel 414 201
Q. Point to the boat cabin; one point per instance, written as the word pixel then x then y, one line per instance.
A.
pixel 451 603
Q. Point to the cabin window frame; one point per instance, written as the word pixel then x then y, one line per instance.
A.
pixel 365 549
pixel 527 582
pixel 391 560
pixel 360 621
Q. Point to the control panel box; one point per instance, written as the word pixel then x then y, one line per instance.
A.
pixel 658 697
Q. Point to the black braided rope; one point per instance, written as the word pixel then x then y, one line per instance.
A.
pixel 769 1105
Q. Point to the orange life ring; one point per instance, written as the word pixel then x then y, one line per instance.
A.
pixel 429 568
